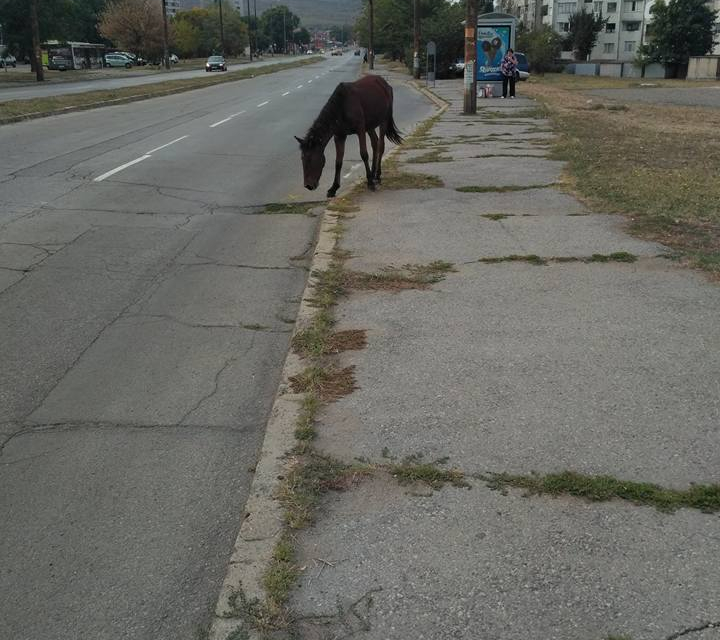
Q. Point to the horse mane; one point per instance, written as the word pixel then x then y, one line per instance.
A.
pixel 328 118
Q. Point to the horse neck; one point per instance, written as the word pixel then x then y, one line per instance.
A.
pixel 325 124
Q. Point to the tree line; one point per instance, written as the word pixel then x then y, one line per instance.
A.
pixel 136 26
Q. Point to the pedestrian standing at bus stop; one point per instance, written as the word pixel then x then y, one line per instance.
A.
pixel 508 68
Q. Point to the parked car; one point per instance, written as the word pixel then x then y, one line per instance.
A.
pixel 457 68
pixel 59 63
pixel 523 68
pixel 135 59
pixel 336 52
pixel 309 52
pixel 215 63
pixel 8 61
pixel 174 59
pixel 118 60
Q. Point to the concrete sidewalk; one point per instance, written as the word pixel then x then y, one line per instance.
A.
pixel 545 361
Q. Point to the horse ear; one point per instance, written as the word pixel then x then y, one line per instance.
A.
pixel 300 140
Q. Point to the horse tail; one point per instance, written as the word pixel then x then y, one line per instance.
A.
pixel 391 131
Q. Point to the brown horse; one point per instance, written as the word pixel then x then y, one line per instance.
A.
pixel 353 108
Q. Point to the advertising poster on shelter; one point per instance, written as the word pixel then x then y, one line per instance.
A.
pixel 492 44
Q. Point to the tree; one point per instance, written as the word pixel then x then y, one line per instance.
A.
pixel 542 47
pixel 679 29
pixel 277 25
pixel 485 6
pixel 135 25
pixel 197 31
pixel 584 29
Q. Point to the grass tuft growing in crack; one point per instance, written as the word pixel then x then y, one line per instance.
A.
pixel 618 256
pixel 603 488
pixel 436 155
pixel 498 189
pixel 412 469
pixel 292 208
pixel 327 382
pixel 495 216
pixel 409 276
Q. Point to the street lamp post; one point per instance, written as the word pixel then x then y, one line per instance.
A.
pixel 250 43
pixel 371 50
pixel 166 54
pixel 37 53
pixel 222 30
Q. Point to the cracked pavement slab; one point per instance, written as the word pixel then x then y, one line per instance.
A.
pixel 600 368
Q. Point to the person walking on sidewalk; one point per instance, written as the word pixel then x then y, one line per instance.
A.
pixel 508 68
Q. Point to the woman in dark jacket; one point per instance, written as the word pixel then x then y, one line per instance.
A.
pixel 508 68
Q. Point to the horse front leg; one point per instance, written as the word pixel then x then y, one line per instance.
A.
pixel 364 155
pixel 374 144
pixel 339 155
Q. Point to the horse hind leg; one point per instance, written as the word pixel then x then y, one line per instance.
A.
pixel 364 155
pixel 375 158
pixel 380 153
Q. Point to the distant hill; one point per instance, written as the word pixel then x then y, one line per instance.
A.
pixel 318 13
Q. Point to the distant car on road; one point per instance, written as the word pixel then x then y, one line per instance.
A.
pixel 174 59
pixel 336 52
pixel 523 68
pixel 309 52
pixel 118 60
pixel 215 63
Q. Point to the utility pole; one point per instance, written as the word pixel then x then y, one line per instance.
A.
pixel 416 39
pixel 166 54
pixel 470 79
pixel 284 33
pixel 371 50
pixel 256 26
pixel 222 30
pixel 250 44
pixel 37 53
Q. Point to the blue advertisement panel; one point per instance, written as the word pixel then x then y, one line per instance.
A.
pixel 492 44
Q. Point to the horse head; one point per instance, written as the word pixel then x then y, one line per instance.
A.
pixel 313 161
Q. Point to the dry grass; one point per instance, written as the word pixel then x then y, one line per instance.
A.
pixel 327 383
pixel 655 163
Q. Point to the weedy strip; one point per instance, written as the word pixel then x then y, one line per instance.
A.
pixel 618 256
pixel 705 498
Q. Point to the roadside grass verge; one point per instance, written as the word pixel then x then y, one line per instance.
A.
pixel 13 110
pixel 292 208
pixel 500 189
pixel 656 164
pixel 705 498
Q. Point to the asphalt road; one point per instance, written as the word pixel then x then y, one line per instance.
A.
pixel 146 305
pixel 125 78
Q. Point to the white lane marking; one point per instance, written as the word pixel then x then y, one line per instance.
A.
pixel 299 86
pixel 316 77
pixel 262 104
pixel 286 93
pixel 166 145
pixel 309 81
pixel 120 168
pixel 230 117
pixel 355 166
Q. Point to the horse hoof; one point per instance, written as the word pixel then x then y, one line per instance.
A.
pixel 371 186
pixel 331 193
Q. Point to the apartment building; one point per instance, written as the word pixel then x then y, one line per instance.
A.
pixel 626 28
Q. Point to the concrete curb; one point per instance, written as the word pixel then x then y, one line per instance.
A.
pixel 264 522
pixel 430 95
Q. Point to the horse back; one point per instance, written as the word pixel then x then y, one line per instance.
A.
pixel 374 96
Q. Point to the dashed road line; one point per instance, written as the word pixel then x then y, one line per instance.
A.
pixel 286 93
pixel 120 168
pixel 234 115
pixel 262 104
pixel 299 86
pixel 166 145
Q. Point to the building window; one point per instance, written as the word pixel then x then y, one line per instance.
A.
pixel 631 6
pixel 632 26
pixel 612 7
pixel 629 46
pixel 597 6
pixel 566 7
pixel 609 47
pixel 544 10
pixel 563 27
pixel 609 27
